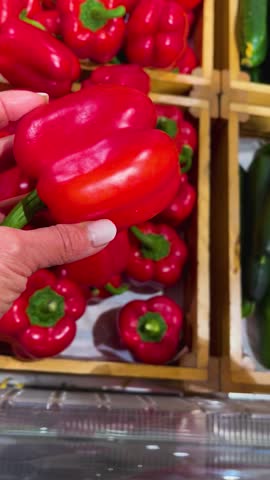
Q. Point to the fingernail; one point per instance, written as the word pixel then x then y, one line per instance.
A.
pixel 101 232
pixel 43 94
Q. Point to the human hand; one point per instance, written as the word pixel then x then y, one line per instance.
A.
pixel 24 252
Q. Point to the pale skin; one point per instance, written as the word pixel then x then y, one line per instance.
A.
pixel 24 252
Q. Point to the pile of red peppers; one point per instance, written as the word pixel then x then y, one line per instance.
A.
pixel 114 155
pixel 42 42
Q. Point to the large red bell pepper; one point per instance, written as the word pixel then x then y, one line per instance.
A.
pixel 157 254
pixel 97 270
pixel 130 75
pixel 92 28
pixel 34 59
pixel 96 154
pixel 182 205
pixel 156 33
pixel 151 329
pixel 42 321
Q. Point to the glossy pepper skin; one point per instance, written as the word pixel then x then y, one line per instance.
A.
pixel 156 33
pixel 97 270
pixel 171 120
pixel 13 182
pixel 50 19
pixel 182 205
pixel 158 254
pixel 188 61
pixel 9 9
pixel 93 29
pixel 32 58
pixel 151 329
pixel 107 160
pixel 130 75
pixel 189 4
pixel 42 321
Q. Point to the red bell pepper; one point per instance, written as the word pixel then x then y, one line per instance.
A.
pixel 156 33
pixel 34 59
pixel 188 61
pixel 182 205
pixel 115 286
pixel 171 121
pixel 10 9
pixel 189 4
pixel 50 19
pixel 92 28
pixel 151 329
pixel 97 270
pixel 96 154
pixel 13 182
pixel 130 75
pixel 42 321
pixel 157 254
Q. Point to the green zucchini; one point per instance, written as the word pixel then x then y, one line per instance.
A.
pixel 252 30
pixel 255 263
pixel 264 330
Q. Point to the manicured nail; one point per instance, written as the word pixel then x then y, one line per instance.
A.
pixel 101 232
pixel 43 94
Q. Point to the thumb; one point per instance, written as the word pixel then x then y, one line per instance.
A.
pixel 66 243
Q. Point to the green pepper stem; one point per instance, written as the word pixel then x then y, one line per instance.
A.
pixel 94 15
pixel 154 246
pixel 167 125
pixel 34 23
pixel 46 307
pixel 151 327
pixel 116 290
pixel 185 158
pixel 24 211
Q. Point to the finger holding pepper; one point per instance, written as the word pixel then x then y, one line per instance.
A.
pixel 116 166
pixel 157 254
pixel 151 329
pixel 42 321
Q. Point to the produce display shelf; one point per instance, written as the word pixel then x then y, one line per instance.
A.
pixel 239 371
pixel 204 81
pixel 192 366
pixel 235 84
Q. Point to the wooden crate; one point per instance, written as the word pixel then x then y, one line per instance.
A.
pixel 204 81
pixel 193 366
pixel 234 83
pixel 237 370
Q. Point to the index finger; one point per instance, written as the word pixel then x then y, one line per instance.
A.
pixel 16 103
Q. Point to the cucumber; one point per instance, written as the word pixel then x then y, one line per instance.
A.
pixel 264 330
pixel 252 30
pixel 255 263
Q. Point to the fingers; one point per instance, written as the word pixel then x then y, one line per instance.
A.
pixel 62 244
pixel 16 103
